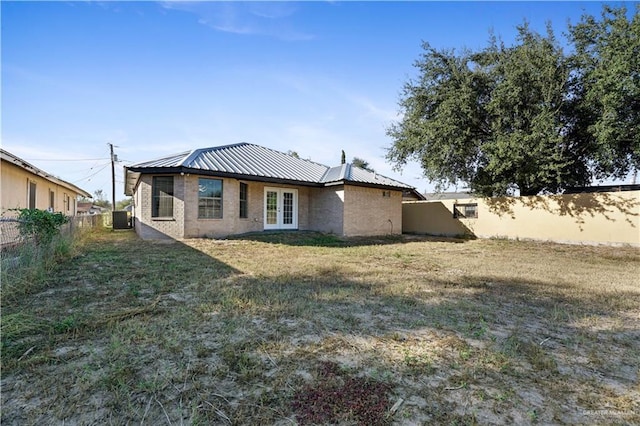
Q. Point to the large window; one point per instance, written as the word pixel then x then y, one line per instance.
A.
pixel 209 198
pixel 162 198
pixel 244 200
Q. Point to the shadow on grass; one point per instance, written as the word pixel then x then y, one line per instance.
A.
pixel 319 239
pixel 307 296
pixel 113 277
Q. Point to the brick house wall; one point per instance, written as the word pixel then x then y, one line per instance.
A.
pixel 159 228
pixel 371 211
pixel 231 223
pixel 342 210
pixel 326 209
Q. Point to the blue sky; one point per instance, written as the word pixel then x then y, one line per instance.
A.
pixel 157 78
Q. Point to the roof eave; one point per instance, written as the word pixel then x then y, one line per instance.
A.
pixel 19 162
pixel 368 185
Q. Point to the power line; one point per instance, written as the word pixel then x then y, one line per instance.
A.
pixel 65 159
pixel 84 171
pixel 93 174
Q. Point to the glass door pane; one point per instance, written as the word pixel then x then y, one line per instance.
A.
pixel 287 208
pixel 272 208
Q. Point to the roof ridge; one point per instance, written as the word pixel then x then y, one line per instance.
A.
pixel 346 172
pixel 177 154
pixel 221 147
pixel 192 154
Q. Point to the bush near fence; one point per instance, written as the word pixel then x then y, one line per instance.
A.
pixel 17 249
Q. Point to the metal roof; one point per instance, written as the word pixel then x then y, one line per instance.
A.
pixel 260 163
pixel 351 173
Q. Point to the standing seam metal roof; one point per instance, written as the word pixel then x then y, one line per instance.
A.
pixel 255 160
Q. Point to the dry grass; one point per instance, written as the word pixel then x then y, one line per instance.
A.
pixel 430 331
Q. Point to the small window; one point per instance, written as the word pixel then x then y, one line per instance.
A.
pixel 468 211
pixel 209 198
pixel 162 196
pixel 244 192
pixel 67 202
pixel 386 194
pixel 52 200
pixel 32 195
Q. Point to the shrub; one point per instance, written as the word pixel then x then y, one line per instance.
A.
pixel 40 224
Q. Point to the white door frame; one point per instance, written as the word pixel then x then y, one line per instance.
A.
pixel 281 220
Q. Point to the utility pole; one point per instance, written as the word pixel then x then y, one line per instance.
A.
pixel 113 178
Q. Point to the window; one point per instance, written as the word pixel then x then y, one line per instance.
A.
pixel 32 195
pixel 162 198
pixel 465 211
pixel 67 202
pixel 244 192
pixel 52 200
pixel 386 194
pixel 209 198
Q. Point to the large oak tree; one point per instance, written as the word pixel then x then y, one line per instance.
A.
pixel 529 117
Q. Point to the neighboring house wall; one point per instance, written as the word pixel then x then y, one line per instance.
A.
pixel 592 218
pixel 17 184
pixel 371 211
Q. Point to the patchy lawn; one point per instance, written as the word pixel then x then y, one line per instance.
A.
pixel 305 328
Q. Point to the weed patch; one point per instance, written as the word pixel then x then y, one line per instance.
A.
pixel 336 396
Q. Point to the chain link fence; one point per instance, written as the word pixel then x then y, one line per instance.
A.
pixel 14 244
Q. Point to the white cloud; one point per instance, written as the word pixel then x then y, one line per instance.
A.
pixel 369 108
pixel 272 19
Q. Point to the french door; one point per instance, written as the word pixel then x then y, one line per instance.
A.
pixel 280 208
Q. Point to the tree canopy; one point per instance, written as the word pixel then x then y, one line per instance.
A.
pixel 363 164
pixel 527 117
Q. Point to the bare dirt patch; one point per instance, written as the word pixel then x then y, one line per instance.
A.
pixel 254 330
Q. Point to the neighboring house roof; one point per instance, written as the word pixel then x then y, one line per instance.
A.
pixel 255 162
pixel 88 207
pixel 19 162
pixel 448 196
pixel 603 188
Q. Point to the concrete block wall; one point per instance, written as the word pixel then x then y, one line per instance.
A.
pixel 371 211
pixel 591 218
